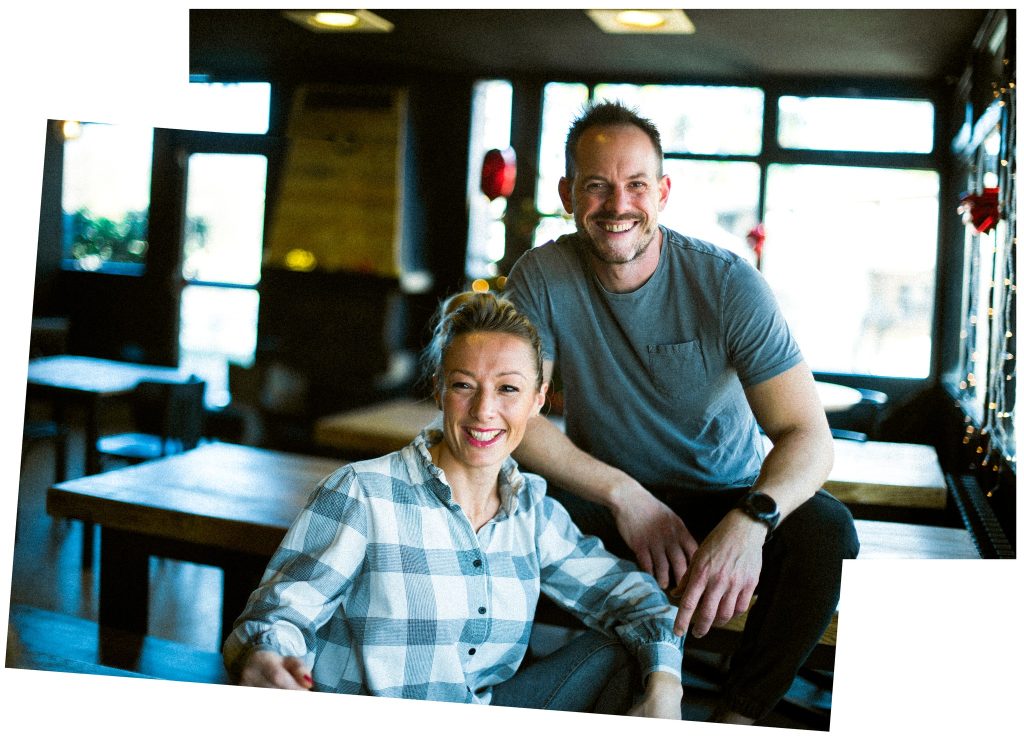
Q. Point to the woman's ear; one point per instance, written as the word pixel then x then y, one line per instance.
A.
pixel 541 397
pixel 436 391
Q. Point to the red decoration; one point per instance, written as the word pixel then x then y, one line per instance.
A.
pixel 756 240
pixel 498 174
pixel 980 210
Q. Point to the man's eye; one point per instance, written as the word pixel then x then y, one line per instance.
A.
pixel 596 187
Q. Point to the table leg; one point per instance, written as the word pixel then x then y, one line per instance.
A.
pixel 123 596
pixel 92 466
pixel 239 581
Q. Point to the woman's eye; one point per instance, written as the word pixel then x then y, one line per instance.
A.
pixel 460 385
pixel 509 388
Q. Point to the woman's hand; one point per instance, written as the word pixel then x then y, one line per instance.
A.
pixel 266 668
pixel 662 699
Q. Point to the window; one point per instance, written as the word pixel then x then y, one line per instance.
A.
pixel 852 124
pixel 490 129
pixel 105 197
pixel 224 208
pixel 850 253
pixel 229 107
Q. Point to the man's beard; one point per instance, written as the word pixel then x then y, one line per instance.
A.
pixel 638 250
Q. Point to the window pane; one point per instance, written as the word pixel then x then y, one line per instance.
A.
pixel 713 201
pixel 850 252
pixel 551 228
pixel 888 125
pixel 105 196
pixel 697 119
pixel 562 104
pixel 218 325
pixel 229 107
pixel 224 206
pixel 490 129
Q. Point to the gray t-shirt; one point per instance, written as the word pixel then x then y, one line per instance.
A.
pixel 653 379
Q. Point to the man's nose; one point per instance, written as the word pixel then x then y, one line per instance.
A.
pixel 617 200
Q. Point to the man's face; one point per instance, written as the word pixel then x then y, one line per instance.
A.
pixel 616 193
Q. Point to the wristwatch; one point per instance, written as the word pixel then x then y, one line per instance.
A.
pixel 761 507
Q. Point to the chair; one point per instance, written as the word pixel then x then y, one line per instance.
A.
pixel 863 418
pixel 167 417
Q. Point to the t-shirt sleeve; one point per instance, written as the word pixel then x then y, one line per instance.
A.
pixel 759 341
pixel 527 288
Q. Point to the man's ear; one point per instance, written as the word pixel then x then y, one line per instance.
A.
pixel 565 193
pixel 664 186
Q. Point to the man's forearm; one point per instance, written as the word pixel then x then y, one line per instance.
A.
pixel 796 467
pixel 547 451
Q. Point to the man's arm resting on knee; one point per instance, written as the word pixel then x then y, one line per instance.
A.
pixel 726 567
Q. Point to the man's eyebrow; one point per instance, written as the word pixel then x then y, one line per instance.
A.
pixel 595 176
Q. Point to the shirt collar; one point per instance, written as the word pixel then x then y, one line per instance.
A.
pixel 511 482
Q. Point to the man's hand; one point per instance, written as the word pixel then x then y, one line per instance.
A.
pixel 662 698
pixel 657 536
pixel 266 668
pixel 722 575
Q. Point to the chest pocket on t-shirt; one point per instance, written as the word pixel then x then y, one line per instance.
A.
pixel 677 370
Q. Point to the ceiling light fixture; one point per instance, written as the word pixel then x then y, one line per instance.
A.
pixel 340 20
pixel 642 21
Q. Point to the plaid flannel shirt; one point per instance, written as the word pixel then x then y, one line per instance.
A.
pixel 383 586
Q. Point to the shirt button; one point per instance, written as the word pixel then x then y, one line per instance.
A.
pixel 477 563
pixel 472 651
pixel 482 610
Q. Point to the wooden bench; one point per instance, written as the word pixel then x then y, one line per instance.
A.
pixel 49 641
pixel 878 540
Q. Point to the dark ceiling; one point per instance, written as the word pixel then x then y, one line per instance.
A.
pixel 922 46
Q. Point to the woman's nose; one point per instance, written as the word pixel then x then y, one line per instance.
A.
pixel 483 403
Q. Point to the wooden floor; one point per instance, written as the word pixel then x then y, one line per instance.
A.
pixel 48 572
pixel 185 598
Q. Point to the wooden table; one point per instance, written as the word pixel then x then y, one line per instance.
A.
pixel 376 429
pixel 229 506
pixel 388 426
pixel 219 504
pixel 835 397
pixel 87 381
pixel 874 474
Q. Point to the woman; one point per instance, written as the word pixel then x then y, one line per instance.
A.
pixel 417 574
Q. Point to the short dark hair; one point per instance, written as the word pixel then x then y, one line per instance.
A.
pixel 607 114
pixel 469 312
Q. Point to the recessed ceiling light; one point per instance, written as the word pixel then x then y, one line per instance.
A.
pixel 339 20
pixel 642 21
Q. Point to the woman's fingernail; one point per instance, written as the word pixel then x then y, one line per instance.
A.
pixel 308 678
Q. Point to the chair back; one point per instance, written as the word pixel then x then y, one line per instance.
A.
pixel 171 410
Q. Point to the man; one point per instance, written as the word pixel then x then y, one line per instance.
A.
pixel 671 353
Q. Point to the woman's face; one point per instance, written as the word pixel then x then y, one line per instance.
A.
pixel 488 393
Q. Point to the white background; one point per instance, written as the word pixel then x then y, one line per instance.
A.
pixel 929 654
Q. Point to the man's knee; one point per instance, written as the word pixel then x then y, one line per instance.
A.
pixel 824 523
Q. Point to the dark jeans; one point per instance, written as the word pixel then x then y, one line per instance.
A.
pixel 796 595
pixel 593 673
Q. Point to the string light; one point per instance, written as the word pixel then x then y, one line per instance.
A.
pixel 988 440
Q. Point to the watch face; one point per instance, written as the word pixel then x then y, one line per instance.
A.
pixel 762 503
